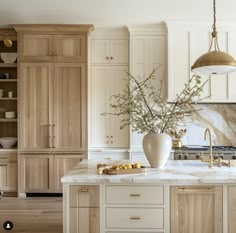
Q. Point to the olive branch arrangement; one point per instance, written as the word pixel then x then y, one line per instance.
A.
pixel 144 107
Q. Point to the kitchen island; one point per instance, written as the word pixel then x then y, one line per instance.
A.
pixel 184 196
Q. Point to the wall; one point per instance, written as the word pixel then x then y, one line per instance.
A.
pixel 219 118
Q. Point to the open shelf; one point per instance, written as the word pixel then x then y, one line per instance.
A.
pixel 8 80
pixel 8 65
pixel 8 119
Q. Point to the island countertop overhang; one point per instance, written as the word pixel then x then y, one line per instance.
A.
pixel 174 172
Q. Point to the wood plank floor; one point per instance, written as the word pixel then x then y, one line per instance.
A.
pixel 32 215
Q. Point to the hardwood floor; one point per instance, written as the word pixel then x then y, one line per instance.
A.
pixel 32 215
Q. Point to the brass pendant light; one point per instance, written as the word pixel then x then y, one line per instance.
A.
pixel 216 61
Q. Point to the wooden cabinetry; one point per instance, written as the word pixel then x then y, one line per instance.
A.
pixel 109 57
pixel 196 209
pixel 8 83
pixel 53 102
pixel 84 209
pixel 52 48
pixel 53 107
pixel 42 172
pixel 231 209
pixel 8 171
pixel 186 42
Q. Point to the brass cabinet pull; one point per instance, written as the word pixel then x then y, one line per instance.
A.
pixel 197 190
pixel 84 190
pixel 107 58
pixel 135 195
pixel 50 136
pixel 111 58
pixel 3 164
pixel 135 218
pixel 53 136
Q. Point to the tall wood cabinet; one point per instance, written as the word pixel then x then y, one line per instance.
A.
pixel 196 209
pixel 53 102
pixel 109 64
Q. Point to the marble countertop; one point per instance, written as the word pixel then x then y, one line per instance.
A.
pixel 174 172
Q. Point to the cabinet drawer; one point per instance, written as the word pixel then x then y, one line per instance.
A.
pixel 135 218
pixel 84 196
pixel 150 195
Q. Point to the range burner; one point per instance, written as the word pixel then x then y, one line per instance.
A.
pixel 193 152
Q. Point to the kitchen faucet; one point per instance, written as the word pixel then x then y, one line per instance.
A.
pixel 210 139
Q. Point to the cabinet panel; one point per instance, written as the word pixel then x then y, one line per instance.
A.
pixel 38 175
pixel 105 130
pixel 84 196
pixel 231 209
pixel 69 48
pixel 119 51
pixel 196 209
pixel 70 109
pixel 84 220
pixel 36 48
pixel 35 102
pixel 62 165
pixel 135 218
pixel 100 51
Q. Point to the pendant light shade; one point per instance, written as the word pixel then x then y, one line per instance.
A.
pixel 216 61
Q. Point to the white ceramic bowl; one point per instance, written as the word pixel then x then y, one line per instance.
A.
pixel 8 142
pixel 10 115
pixel 8 57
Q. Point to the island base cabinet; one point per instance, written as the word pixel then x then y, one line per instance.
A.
pixel 84 220
pixel 196 209
pixel 231 209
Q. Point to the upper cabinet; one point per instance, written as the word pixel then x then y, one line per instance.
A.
pixel 53 87
pixel 109 51
pixel 148 52
pixel 186 42
pixel 52 48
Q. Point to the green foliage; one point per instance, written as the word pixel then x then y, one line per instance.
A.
pixel 143 107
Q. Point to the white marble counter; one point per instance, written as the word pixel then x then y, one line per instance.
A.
pixel 175 172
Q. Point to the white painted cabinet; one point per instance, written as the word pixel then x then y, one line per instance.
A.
pixel 148 52
pixel 110 51
pixel 185 44
pixel 105 130
pixel 110 59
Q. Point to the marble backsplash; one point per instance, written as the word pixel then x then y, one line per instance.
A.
pixel 219 118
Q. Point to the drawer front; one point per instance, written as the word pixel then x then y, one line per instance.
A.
pixel 149 195
pixel 8 156
pixel 136 218
pixel 84 196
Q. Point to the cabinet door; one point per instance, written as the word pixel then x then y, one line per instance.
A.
pixel 62 165
pixel 231 209
pixel 69 48
pixel 36 48
pixel 35 102
pixel 98 126
pixel 100 51
pixel 8 177
pixel 37 173
pixel 110 51
pixel 196 209
pixel 105 130
pixel 70 107
pixel 84 220
pixel 119 52
pixel 116 82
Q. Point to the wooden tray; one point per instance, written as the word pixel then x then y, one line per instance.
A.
pixel 109 171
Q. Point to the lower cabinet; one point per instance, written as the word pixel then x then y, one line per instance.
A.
pixel 135 207
pixel 8 171
pixel 196 209
pixel 41 173
pixel 231 209
pixel 84 209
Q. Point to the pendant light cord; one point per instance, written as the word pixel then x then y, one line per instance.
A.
pixel 214 32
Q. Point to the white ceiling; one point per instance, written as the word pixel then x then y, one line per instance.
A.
pixel 112 12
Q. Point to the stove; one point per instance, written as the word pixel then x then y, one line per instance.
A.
pixel 194 152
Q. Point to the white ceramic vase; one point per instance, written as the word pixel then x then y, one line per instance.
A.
pixel 157 147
